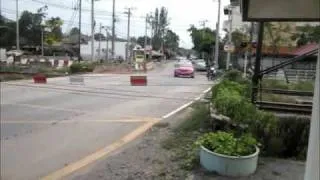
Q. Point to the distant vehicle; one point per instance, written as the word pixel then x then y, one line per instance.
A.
pixel 184 69
pixel 199 65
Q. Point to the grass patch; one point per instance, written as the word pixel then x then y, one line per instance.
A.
pixel 181 142
pixel 277 98
pixel 280 84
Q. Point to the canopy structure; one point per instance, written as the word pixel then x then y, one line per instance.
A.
pixel 280 10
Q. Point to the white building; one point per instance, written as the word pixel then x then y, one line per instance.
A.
pixel 120 50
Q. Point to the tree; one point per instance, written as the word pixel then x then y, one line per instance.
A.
pixel 159 24
pixel 55 33
pixel 171 40
pixel 98 36
pixel 74 31
pixel 141 40
pixel 306 34
pixel 203 39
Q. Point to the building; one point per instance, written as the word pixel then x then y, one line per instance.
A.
pixel 120 50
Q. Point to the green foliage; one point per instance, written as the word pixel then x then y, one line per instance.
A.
pixel 226 144
pixel 203 39
pixel 275 84
pixel 82 67
pixel 55 33
pixel 280 84
pixel 302 86
pixel 306 34
pixel 280 137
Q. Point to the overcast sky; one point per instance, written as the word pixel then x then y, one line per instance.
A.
pixel 181 13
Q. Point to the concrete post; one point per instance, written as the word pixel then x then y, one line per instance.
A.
pixel 313 156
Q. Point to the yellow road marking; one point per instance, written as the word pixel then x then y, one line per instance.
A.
pixel 46 107
pixel 59 174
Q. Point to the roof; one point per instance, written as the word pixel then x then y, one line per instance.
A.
pixel 305 49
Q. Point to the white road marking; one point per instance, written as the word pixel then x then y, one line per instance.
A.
pixel 185 105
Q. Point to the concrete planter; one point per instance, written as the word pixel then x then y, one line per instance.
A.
pixel 229 165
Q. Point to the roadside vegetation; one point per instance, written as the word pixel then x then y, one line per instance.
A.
pixel 285 137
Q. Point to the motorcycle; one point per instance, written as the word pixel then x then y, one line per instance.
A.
pixel 211 73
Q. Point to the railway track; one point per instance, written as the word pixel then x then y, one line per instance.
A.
pixel 305 109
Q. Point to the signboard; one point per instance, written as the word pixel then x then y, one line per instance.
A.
pixel 280 10
pixel 229 48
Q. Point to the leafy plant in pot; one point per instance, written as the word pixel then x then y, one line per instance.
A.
pixel 227 155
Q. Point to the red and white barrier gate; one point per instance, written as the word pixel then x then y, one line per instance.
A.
pixel 138 80
pixel 40 79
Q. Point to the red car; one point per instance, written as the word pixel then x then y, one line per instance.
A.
pixel 184 69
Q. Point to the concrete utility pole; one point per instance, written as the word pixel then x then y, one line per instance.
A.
pixel 146 37
pixel 203 24
pixel 128 34
pixel 79 38
pixel 107 41
pixel 99 45
pixel 17 25
pixel 146 32
pixel 92 30
pixel 42 29
pixel 113 28
pixel 313 155
pixel 229 36
pixel 216 56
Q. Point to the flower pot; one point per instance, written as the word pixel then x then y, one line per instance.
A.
pixel 229 165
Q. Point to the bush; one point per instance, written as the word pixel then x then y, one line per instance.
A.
pixel 226 144
pixel 280 137
pixel 82 67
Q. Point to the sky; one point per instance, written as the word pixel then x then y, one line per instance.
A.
pixel 181 13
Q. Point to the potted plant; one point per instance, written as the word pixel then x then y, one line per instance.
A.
pixel 227 155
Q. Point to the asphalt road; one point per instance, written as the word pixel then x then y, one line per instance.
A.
pixel 45 127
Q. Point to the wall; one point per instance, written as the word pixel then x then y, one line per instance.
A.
pixel 120 50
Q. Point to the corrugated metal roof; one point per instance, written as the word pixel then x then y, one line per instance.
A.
pixel 305 49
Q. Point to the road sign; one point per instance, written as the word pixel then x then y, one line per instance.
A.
pixel 229 48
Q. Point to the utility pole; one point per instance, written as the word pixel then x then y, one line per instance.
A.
pixel 146 33
pixel 42 29
pixel 229 36
pixel 216 56
pixel 128 34
pixel 107 41
pixel 113 28
pixel 79 38
pixel 203 24
pixel 92 30
pixel 152 27
pixel 99 45
pixel 17 25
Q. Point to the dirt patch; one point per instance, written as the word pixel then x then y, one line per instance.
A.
pixel 121 69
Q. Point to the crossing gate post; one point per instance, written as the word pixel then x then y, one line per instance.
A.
pixel 76 80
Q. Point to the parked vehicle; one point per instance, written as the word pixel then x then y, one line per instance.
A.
pixel 184 69
pixel 199 65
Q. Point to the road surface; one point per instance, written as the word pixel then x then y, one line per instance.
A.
pixel 46 127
